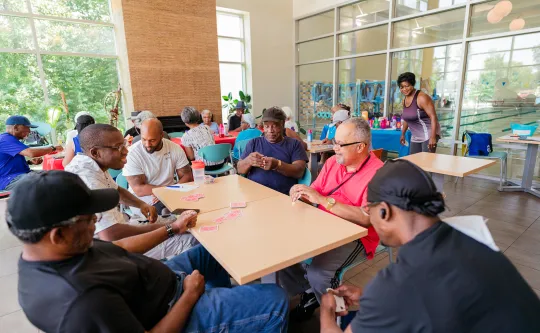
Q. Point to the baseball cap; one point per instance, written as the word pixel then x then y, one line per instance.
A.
pixel 274 114
pixel 405 185
pixel 340 115
pixel 47 198
pixel 240 105
pixel 142 116
pixel 20 120
pixel 134 115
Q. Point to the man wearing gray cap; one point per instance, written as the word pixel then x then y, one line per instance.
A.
pixel 449 275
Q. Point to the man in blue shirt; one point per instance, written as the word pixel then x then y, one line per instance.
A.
pixel 274 160
pixel 13 165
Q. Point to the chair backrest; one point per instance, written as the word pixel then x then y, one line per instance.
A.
pixel 378 152
pixel 176 134
pixel 306 178
pixel 215 153
pixel 122 181
pixel 478 144
pixel 240 146
pixel 114 173
pixel 43 128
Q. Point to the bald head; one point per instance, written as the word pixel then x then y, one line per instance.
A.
pixel 97 135
pixel 152 135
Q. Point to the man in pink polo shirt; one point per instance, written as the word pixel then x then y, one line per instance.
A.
pixel 340 189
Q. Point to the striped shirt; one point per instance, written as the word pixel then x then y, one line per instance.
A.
pixel 197 138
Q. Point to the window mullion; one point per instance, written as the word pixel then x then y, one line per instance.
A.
pixel 38 54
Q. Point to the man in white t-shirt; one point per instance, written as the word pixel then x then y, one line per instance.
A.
pixel 154 162
pixel 104 149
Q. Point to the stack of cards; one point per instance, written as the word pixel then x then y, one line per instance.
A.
pixel 193 197
pixel 208 228
pixel 230 215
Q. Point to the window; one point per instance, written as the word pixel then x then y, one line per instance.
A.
pixel 50 47
pixel 231 30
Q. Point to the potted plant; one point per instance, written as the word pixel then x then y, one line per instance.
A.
pixel 230 102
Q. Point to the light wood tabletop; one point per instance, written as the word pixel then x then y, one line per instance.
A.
pixel 317 147
pixel 457 166
pixel 233 188
pixel 272 234
pixel 512 139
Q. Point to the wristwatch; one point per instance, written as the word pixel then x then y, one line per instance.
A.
pixel 278 165
pixel 330 202
pixel 170 231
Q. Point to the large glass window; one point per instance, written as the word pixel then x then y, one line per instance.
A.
pixel 362 13
pixel 316 50
pixel 315 95
pixel 524 14
pixel 408 7
pixel 362 41
pixel 63 57
pixel 232 54
pixel 315 25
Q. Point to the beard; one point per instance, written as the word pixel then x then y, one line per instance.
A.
pixel 151 150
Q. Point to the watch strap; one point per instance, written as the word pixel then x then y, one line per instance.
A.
pixel 169 230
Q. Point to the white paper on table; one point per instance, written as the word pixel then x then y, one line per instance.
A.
pixel 182 187
pixel 475 227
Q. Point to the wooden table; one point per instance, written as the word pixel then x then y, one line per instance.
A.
pixel 440 165
pixel 316 148
pixel 218 195
pixel 273 234
pixel 530 162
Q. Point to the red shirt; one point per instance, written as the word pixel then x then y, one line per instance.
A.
pixel 353 192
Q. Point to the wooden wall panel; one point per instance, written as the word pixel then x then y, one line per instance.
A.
pixel 173 55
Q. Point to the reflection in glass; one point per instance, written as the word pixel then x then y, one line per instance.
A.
pixel 230 50
pixel 362 13
pixel 14 6
pixel 526 9
pixel 73 37
pixel 316 50
pixel 15 33
pixel 315 91
pixel 437 74
pixel 361 41
pixel 434 28
pixel 361 83
pixel 92 10
pixel 501 88
pixel 408 7
pixel 316 25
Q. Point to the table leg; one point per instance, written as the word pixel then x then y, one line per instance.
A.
pixel 528 174
pixel 438 179
pixel 313 165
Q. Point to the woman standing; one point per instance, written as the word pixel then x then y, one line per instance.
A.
pixel 418 115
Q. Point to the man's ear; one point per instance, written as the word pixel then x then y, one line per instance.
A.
pixel 94 153
pixel 57 236
pixel 384 211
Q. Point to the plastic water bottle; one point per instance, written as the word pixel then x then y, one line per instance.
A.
pixel 221 130
pixel 309 138
pixel 198 172
pixel 394 122
pixel 225 130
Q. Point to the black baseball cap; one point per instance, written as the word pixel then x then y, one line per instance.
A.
pixel 47 198
pixel 275 114
pixel 405 185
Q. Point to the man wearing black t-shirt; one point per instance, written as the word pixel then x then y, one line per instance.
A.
pixel 69 282
pixel 235 121
pixel 449 276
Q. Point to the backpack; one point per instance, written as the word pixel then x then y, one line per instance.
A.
pixel 480 144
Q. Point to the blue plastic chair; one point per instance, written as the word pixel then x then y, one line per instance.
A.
pixel 240 146
pixel 176 134
pixel 217 153
pixel 114 173
pixel 123 183
pixel 306 178
pixel 43 129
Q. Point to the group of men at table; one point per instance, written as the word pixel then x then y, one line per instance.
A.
pixel 95 272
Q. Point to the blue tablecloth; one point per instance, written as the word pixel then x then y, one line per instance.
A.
pixel 388 139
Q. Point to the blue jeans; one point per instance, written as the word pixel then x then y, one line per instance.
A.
pixel 252 308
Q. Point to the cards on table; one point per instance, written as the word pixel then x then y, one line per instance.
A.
pixel 238 205
pixel 209 228
pixel 340 302
pixel 230 215
pixel 193 197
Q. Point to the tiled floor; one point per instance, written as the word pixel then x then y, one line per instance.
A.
pixel 513 218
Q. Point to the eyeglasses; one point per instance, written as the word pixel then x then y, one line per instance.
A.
pixel 341 145
pixel 365 209
pixel 119 148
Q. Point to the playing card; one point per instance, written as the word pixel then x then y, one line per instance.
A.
pixel 219 220
pixel 209 228
pixel 198 195
pixel 340 302
pixel 233 214
pixel 238 205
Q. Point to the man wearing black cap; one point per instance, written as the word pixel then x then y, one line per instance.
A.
pixel 449 276
pixel 69 282
pixel 13 165
pixel 134 131
pixel 274 160
pixel 235 121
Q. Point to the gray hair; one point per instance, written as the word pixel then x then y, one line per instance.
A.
pixel 205 112
pixel 32 236
pixel 362 131
pixel 190 115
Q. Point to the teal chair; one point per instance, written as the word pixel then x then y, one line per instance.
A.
pixel 239 147
pixel 176 134
pixel 43 129
pixel 217 153
pixel 123 183
pixel 496 155
pixel 114 173
pixel 306 178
